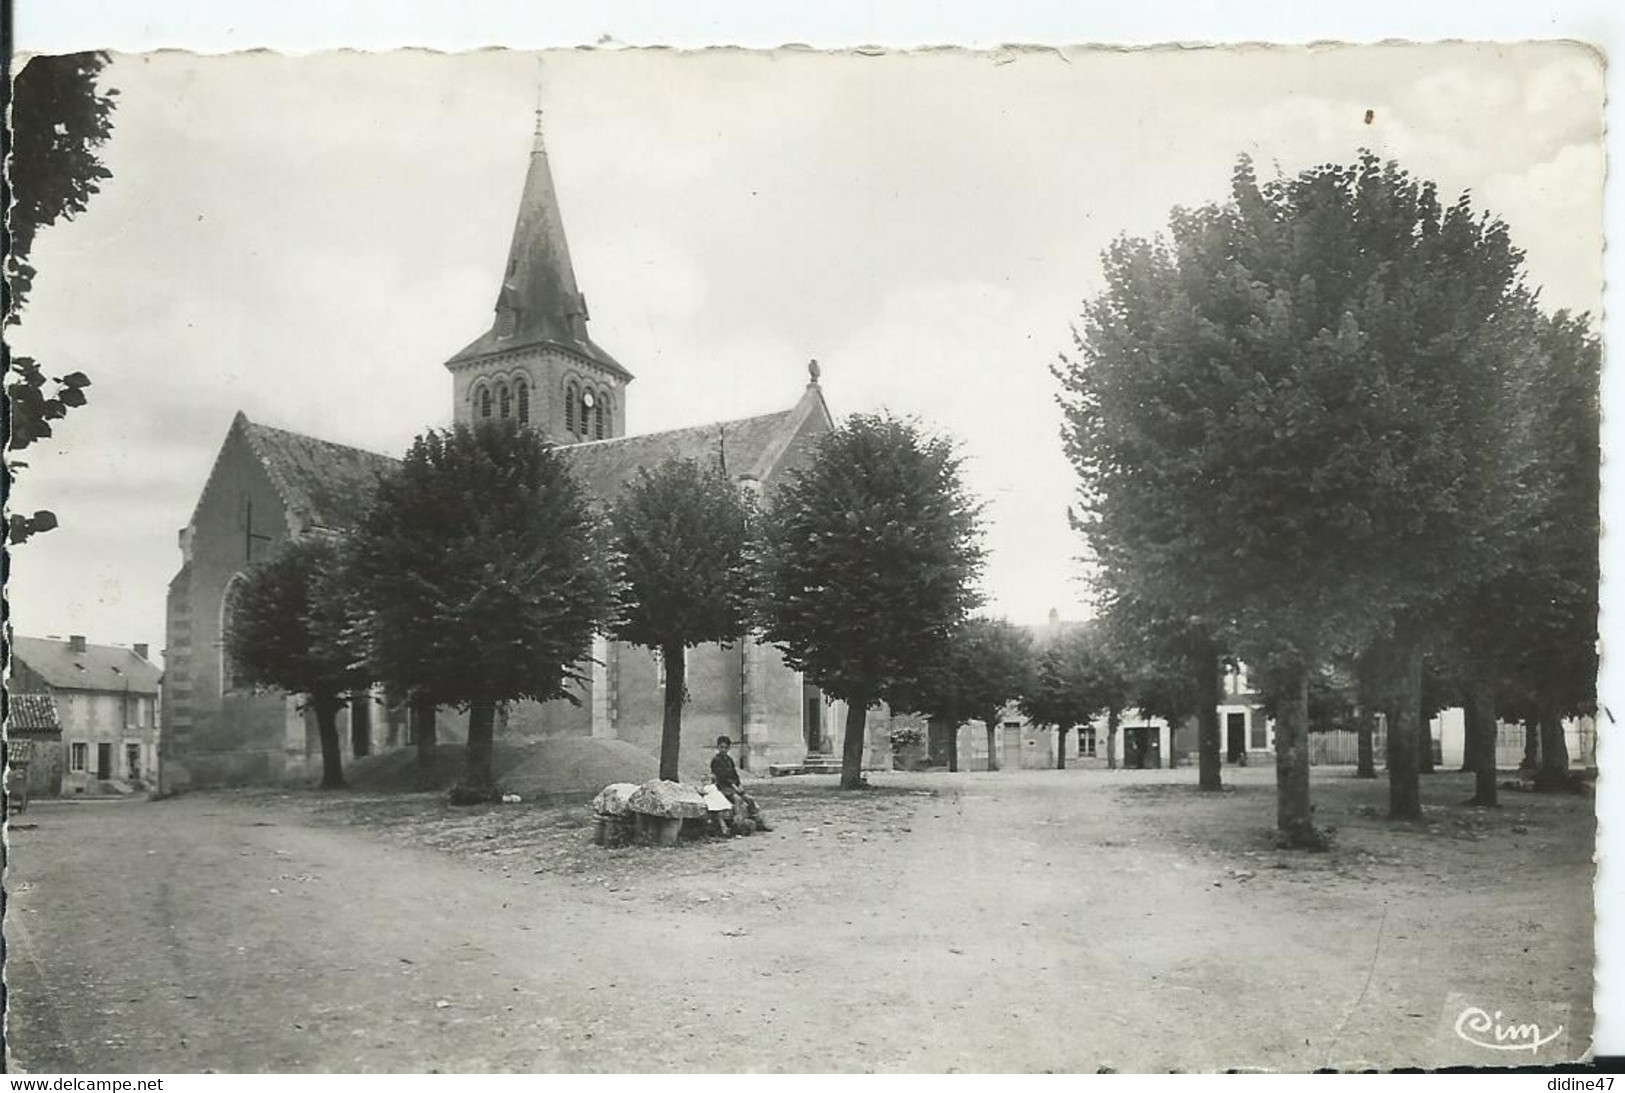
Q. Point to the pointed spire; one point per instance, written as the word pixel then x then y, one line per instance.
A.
pixel 539 302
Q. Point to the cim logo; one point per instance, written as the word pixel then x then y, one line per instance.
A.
pixel 1483 1029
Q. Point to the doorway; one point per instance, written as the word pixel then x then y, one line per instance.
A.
pixel 1235 736
pixel 361 726
pixel 104 762
pixel 1142 747
pixel 812 718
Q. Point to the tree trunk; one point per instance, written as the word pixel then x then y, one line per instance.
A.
pixel 1366 762
pixel 327 730
pixel 1554 749
pixel 1469 739
pixel 1113 717
pixel 1208 743
pixel 1060 748
pixel 857 720
pixel 1531 745
pixel 953 749
pixel 671 724
pixel 478 784
pixel 1424 743
pixel 1404 710
pixel 425 733
pixel 992 744
pixel 1480 711
pixel 1294 817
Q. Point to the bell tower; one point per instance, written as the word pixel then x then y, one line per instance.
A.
pixel 537 364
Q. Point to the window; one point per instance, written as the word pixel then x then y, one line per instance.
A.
pixel 1086 741
pixel 78 757
pixel 571 396
pixel 484 398
pixel 598 417
pixel 521 394
pixel 505 400
pixel 231 674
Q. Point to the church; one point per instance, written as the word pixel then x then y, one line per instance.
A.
pixel 538 365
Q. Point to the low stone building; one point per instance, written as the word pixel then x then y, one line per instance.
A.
pixel 106 701
pixel 33 745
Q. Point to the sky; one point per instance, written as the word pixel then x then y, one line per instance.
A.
pixel 307 239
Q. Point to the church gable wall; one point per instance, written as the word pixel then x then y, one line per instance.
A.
pixel 799 450
pixel 211 738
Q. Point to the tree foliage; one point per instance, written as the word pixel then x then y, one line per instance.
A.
pixel 1291 421
pixel 485 577
pixel 868 557
pixel 59 121
pixel 987 664
pixel 682 539
pixel 291 627
pixel 1077 677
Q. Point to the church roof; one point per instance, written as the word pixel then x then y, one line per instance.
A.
pixel 94 668
pixel 327 483
pixel 734 447
pixel 539 303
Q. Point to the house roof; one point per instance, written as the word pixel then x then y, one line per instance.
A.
pixel 539 303
pixel 31 713
pixel 327 484
pixel 98 668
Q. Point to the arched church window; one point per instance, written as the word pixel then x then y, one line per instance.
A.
pixel 504 400
pixel 521 393
pixel 571 396
pixel 598 412
pixel 231 674
pixel 485 402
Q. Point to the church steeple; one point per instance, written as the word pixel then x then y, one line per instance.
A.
pixel 539 303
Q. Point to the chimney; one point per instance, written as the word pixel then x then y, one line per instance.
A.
pixel 76 643
pixel 141 650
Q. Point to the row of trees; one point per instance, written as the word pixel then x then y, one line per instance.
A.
pixel 481 571
pixel 1326 425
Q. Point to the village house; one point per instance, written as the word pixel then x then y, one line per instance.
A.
pixel 106 705
pixel 33 747
pixel 537 365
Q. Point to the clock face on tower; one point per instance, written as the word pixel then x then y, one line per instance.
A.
pixel 587 400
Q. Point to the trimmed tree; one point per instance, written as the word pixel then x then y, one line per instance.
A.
pixel 291 628
pixel 1076 679
pixel 682 537
pixel 986 665
pixel 1288 421
pixel 485 577
pixel 1528 639
pixel 59 121
pixel 868 556
pixel 1179 672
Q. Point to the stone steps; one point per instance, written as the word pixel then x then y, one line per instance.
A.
pixel 816 763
